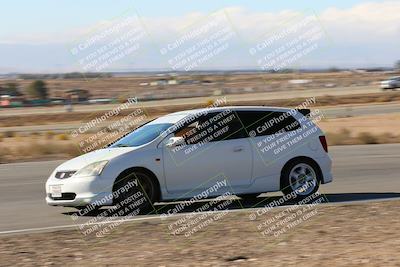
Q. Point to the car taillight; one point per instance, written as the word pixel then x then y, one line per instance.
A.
pixel 322 139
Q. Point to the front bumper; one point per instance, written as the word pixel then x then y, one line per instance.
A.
pixel 80 191
pixel 387 86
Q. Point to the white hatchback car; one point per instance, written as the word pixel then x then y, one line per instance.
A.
pixel 243 150
pixel 391 83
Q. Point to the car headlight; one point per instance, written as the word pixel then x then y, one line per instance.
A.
pixel 92 169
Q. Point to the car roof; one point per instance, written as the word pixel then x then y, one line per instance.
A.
pixel 235 108
pixel 177 116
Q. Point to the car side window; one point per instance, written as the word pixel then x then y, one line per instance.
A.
pixel 212 127
pixel 260 123
pixel 226 126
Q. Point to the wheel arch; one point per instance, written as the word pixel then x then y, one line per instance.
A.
pixel 300 158
pixel 145 170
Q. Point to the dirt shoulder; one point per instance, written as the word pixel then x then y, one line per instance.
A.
pixel 364 234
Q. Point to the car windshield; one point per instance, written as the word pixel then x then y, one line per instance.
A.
pixel 142 135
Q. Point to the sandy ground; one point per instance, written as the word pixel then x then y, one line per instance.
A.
pixel 363 234
pixel 377 124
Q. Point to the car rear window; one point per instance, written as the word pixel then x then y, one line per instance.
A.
pixel 267 122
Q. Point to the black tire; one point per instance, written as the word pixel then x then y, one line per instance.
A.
pixel 140 197
pixel 309 180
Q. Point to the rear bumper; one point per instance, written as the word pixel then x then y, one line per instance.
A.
pixel 325 163
pixel 328 178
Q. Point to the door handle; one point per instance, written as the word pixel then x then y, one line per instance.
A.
pixel 238 149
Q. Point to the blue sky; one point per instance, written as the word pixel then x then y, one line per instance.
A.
pixel 22 16
pixel 25 22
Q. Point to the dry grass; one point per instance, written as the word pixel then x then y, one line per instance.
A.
pixel 341 138
pixel 368 138
pixel 37 150
pixel 50 134
pixel 62 136
pixel 345 137
pixel 9 134
pixel 372 124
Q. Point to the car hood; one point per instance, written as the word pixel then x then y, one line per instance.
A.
pixel 94 156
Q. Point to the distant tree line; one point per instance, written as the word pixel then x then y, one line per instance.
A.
pixel 10 89
pixel 36 90
pixel 72 75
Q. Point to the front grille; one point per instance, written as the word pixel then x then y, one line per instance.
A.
pixel 64 196
pixel 64 174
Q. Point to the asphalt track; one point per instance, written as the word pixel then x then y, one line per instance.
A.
pixel 361 173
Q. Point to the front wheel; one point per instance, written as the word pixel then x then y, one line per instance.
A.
pixel 301 178
pixel 134 192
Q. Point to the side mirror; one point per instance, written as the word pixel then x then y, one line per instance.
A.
pixel 175 141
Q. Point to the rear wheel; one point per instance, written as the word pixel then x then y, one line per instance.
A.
pixel 135 192
pixel 301 178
